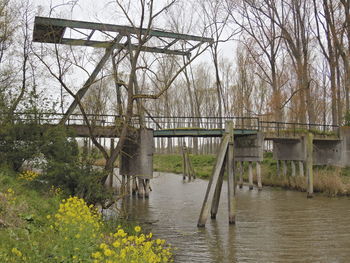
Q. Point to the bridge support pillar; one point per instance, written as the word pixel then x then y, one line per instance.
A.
pixel 284 162
pixel 240 171
pixel 292 164
pixel 258 175
pixel 309 165
pixel 301 168
pixel 250 175
pixel 278 168
pixel 137 160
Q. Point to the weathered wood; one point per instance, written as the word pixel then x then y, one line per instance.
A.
pixel 258 175
pixel 250 176
pixel 213 181
pixel 301 168
pixel 217 193
pixel 128 184
pixel 309 165
pixel 231 186
pixel 241 171
pixel 292 164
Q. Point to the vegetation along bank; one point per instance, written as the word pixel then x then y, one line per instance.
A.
pixel 331 181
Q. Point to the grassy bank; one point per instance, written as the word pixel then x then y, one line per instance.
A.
pixel 329 180
pixel 39 223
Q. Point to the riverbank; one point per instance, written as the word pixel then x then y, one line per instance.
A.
pixel 40 223
pixel 328 180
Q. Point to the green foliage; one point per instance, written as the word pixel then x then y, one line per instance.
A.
pixel 19 142
pixel 347 119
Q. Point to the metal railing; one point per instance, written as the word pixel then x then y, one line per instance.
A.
pixel 176 122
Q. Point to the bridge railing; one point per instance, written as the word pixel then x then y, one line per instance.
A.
pixel 162 122
pixel 294 128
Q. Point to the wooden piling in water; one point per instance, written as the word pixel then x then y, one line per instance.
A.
pixel 250 175
pixel 309 165
pixel 217 193
pixel 213 181
pixel 258 175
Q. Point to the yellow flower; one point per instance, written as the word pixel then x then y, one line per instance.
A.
pixel 108 252
pixel 16 252
pixel 137 229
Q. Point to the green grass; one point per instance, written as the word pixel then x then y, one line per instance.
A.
pixel 24 207
pixel 172 163
pixel 329 180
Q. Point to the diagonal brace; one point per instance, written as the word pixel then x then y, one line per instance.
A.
pixel 80 94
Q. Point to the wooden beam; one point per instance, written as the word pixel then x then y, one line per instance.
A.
pixel 80 94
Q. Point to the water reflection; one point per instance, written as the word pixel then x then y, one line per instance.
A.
pixel 271 226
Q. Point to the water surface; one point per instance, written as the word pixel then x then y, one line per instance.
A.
pixel 271 226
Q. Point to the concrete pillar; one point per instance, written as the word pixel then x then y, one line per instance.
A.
pixel 284 164
pixel 231 187
pixel 278 168
pixel 147 188
pixel 141 188
pixel 301 168
pixel 292 163
pixel 250 176
pixel 241 170
pixel 110 177
pixel 309 165
pixel 134 185
pixel 258 175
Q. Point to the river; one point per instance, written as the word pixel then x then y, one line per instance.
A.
pixel 271 226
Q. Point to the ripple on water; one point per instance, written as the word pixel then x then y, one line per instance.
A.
pixel 272 225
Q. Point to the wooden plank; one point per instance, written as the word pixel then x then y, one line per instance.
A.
pixel 213 180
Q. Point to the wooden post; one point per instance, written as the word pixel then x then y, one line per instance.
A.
pixel 284 162
pixel 213 181
pixel 250 175
pixel 309 165
pixel 258 175
pixel 301 168
pixel 241 170
pixel 217 193
pixel 231 186
pixel 292 163
pixel 278 168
